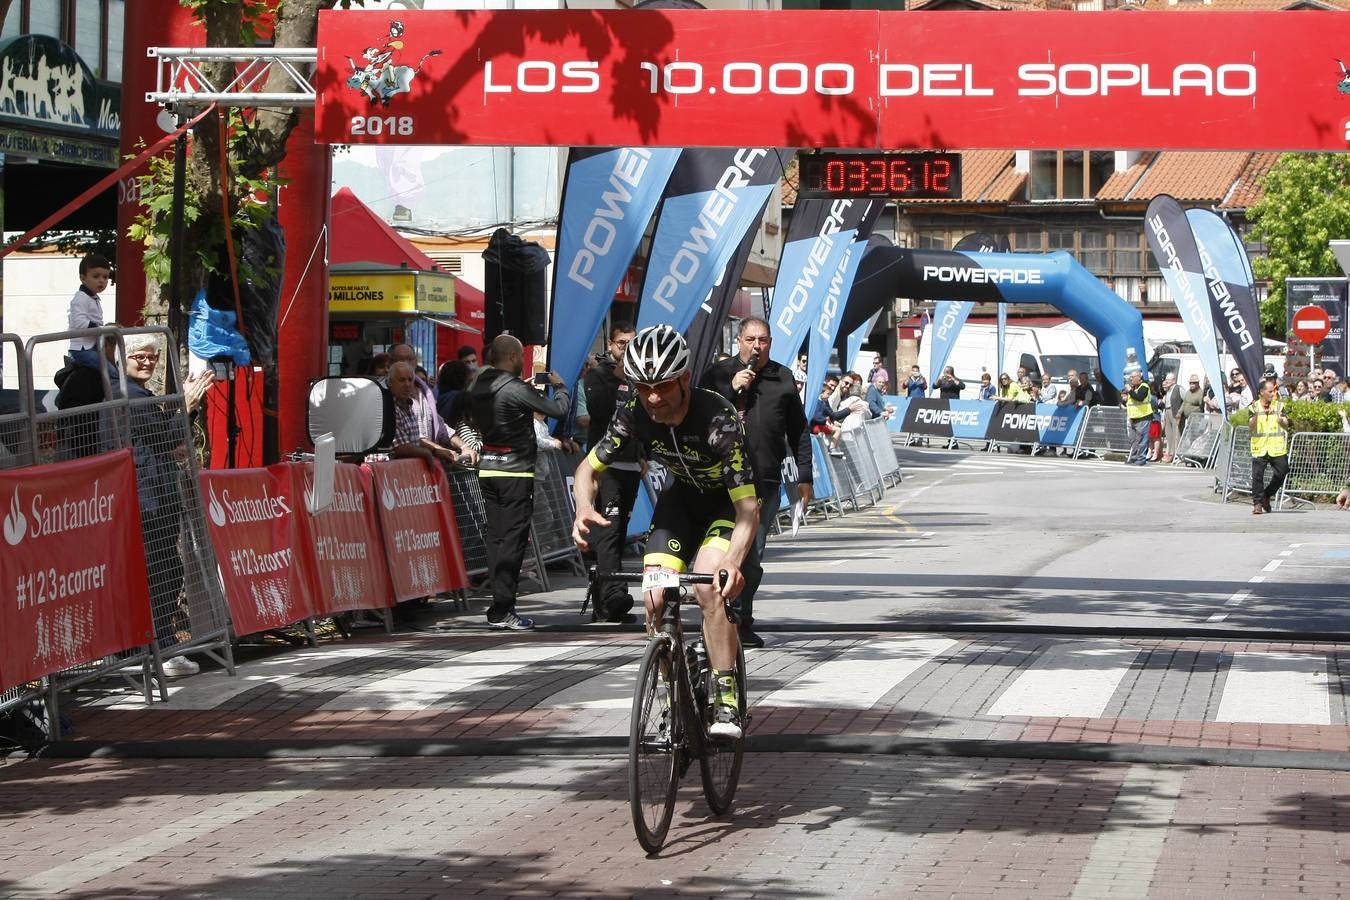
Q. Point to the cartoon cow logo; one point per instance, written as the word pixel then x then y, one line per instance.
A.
pixel 382 77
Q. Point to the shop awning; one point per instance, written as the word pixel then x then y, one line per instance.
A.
pixel 452 323
pixel 360 236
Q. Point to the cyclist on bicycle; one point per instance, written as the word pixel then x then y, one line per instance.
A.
pixel 710 512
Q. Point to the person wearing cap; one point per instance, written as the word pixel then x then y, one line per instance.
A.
pixel 1192 401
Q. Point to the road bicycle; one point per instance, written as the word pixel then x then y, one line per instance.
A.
pixel 672 709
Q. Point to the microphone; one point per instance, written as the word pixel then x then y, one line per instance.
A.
pixel 750 367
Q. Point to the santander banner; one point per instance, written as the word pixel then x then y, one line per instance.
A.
pixel 832 78
pixel 343 543
pixel 251 514
pixel 421 539
pixel 72 570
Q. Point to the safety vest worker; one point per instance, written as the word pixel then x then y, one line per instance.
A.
pixel 1268 438
pixel 1139 403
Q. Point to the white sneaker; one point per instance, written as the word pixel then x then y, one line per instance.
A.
pixel 180 665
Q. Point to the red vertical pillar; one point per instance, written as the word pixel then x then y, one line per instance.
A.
pixel 302 348
pixel 148 23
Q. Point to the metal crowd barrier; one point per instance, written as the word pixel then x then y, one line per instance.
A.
pixel 883 451
pixel 188 606
pixel 553 513
pixel 1106 430
pixel 17 451
pixel 1237 471
pixel 1199 440
pixel 1319 464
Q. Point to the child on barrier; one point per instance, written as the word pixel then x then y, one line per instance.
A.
pixel 86 309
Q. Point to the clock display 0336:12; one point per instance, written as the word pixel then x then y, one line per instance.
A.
pixel 908 175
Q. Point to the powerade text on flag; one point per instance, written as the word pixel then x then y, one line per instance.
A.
pixel 1232 300
pixel 608 198
pixel 826 327
pixel 713 198
pixel 1174 250
pixel 705 334
pixel 819 235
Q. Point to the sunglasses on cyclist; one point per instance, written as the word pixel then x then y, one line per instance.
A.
pixel 648 387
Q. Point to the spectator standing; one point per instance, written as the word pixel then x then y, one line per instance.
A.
pixel 765 395
pixel 604 389
pixel 1084 394
pixel 469 357
pixel 1238 391
pixel 451 380
pixel 379 366
pixel 987 390
pixel 1048 393
pixel 431 425
pixel 1138 400
pixel 879 371
pixel 411 439
pixel 1270 447
pixel 1192 401
pixel 949 386
pixel 825 418
pixel 1300 391
pixel 503 407
pixel 160 456
pixel 86 310
pixel 915 385
pixel 1160 442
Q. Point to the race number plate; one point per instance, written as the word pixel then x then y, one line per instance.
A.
pixel 658 579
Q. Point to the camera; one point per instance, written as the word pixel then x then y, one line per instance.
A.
pixel 541 378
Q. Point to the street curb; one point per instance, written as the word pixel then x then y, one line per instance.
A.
pixel 838 744
pixel 1180 633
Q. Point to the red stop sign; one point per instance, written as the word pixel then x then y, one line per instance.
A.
pixel 1311 324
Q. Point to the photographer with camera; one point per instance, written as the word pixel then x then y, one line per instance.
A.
pixel 503 408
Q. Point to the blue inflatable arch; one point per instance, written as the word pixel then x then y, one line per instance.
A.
pixel 887 272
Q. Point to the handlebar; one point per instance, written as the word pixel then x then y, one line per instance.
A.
pixel 686 578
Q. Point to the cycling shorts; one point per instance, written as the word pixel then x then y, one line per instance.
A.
pixel 684 522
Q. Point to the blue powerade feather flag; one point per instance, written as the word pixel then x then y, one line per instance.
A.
pixel 1232 298
pixel 713 198
pixel 608 198
pixel 819 236
pixel 837 291
pixel 705 335
pixel 1174 250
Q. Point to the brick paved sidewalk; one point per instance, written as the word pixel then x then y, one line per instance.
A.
pixel 807 826
pixel 984 687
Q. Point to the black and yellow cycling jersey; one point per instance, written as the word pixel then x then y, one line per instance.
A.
pixel 705 452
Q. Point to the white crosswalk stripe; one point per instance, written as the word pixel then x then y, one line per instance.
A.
pixel 422 687
pixel 1289 688
pixel 1074 680
pixel 860 676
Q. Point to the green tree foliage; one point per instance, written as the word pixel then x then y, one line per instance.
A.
pixel 1306 204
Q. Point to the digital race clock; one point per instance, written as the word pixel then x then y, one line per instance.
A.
pixel 908 175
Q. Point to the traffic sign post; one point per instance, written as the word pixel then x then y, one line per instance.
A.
pixel 1312 324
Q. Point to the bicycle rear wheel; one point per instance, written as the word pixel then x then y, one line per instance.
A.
pixel 720 763
pixel 653 749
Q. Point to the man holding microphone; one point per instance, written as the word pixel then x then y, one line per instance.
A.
pixel 765 396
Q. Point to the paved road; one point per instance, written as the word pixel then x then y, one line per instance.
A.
pixel 811 826
pixel 989 548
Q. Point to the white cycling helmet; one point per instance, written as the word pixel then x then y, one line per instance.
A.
pixel 657 353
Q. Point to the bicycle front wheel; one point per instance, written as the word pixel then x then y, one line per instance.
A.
pixel 720 763
pixel 653 750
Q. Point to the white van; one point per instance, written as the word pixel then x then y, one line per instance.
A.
pixel 1042 351
pixel 1184 365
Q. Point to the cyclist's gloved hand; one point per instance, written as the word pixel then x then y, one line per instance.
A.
pixel 582 527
